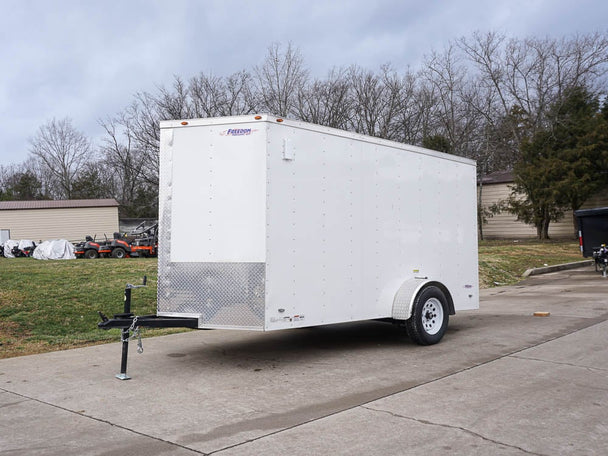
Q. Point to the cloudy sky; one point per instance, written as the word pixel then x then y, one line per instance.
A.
pixel 86 59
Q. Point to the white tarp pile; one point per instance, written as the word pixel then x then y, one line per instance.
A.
pixel 57 249
pixel 8 247
pixel 25 243
pixel 10 244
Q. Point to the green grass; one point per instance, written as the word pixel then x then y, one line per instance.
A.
pixel 52 305
pixel 504 262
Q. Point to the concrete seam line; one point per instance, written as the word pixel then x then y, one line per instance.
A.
pixel 594 321
pixel 448 426
pixel 104 422
pixel 557 363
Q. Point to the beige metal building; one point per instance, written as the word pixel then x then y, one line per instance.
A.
pixel 62 219
pixel 496 187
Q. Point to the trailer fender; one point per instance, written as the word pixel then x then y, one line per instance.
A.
pixel 404 298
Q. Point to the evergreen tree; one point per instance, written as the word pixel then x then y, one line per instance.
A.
pixel 91 184
pixel 564 164
pixel 582 148
pixel 437 142
pixel 22 186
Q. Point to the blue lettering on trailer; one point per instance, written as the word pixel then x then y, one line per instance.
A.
pixel 237 132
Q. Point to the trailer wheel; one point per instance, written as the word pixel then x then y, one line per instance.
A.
pixel 119 252
pixel 91 254
pixel 429 318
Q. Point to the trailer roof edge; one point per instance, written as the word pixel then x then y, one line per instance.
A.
pixel 268 118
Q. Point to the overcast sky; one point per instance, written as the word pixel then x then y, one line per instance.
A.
pixel 86 59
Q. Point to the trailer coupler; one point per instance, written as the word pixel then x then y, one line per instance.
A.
pixel 129 322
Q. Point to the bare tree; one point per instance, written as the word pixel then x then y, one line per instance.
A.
pixel 456 117
pixel 207 93
pixel 141 122
pixel 213 96
pixel 124 161
pixel 376 100
pixel 7 178
pixel 326 102
pixel 240 95
pixel 412 114
pixel 367 101
pixel 174 104
pixel 527 76
pixel 280 78
pixel 396 94
pixel 61 151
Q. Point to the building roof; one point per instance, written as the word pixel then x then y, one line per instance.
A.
pixel 499 177
pixel 58 204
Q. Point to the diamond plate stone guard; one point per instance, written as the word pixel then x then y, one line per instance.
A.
pixel 223 294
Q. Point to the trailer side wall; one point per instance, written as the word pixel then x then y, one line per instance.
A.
pixel 351 218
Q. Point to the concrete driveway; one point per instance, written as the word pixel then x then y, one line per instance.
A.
pixel 501 382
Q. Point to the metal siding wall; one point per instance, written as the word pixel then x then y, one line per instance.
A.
pixel 598 200
pixel 72 224
pixel 506 226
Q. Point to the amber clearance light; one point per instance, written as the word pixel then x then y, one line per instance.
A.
pixel 184 123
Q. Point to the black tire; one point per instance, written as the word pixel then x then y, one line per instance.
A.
pixel 91 254
pixel 429 318
pixel 119 253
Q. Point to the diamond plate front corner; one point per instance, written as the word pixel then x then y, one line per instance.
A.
pixel 221 294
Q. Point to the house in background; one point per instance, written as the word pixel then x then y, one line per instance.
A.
pixel 495 187
pixel 61 219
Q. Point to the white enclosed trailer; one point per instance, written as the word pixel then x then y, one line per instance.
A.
pixel 270 224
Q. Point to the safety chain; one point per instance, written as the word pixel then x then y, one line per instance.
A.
pixel 136 335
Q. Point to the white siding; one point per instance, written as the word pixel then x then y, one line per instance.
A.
pixel 72 224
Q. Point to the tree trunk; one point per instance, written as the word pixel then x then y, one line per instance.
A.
pixel 575 225
pixel 546 221
pixel 546 230
pixel 542 226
